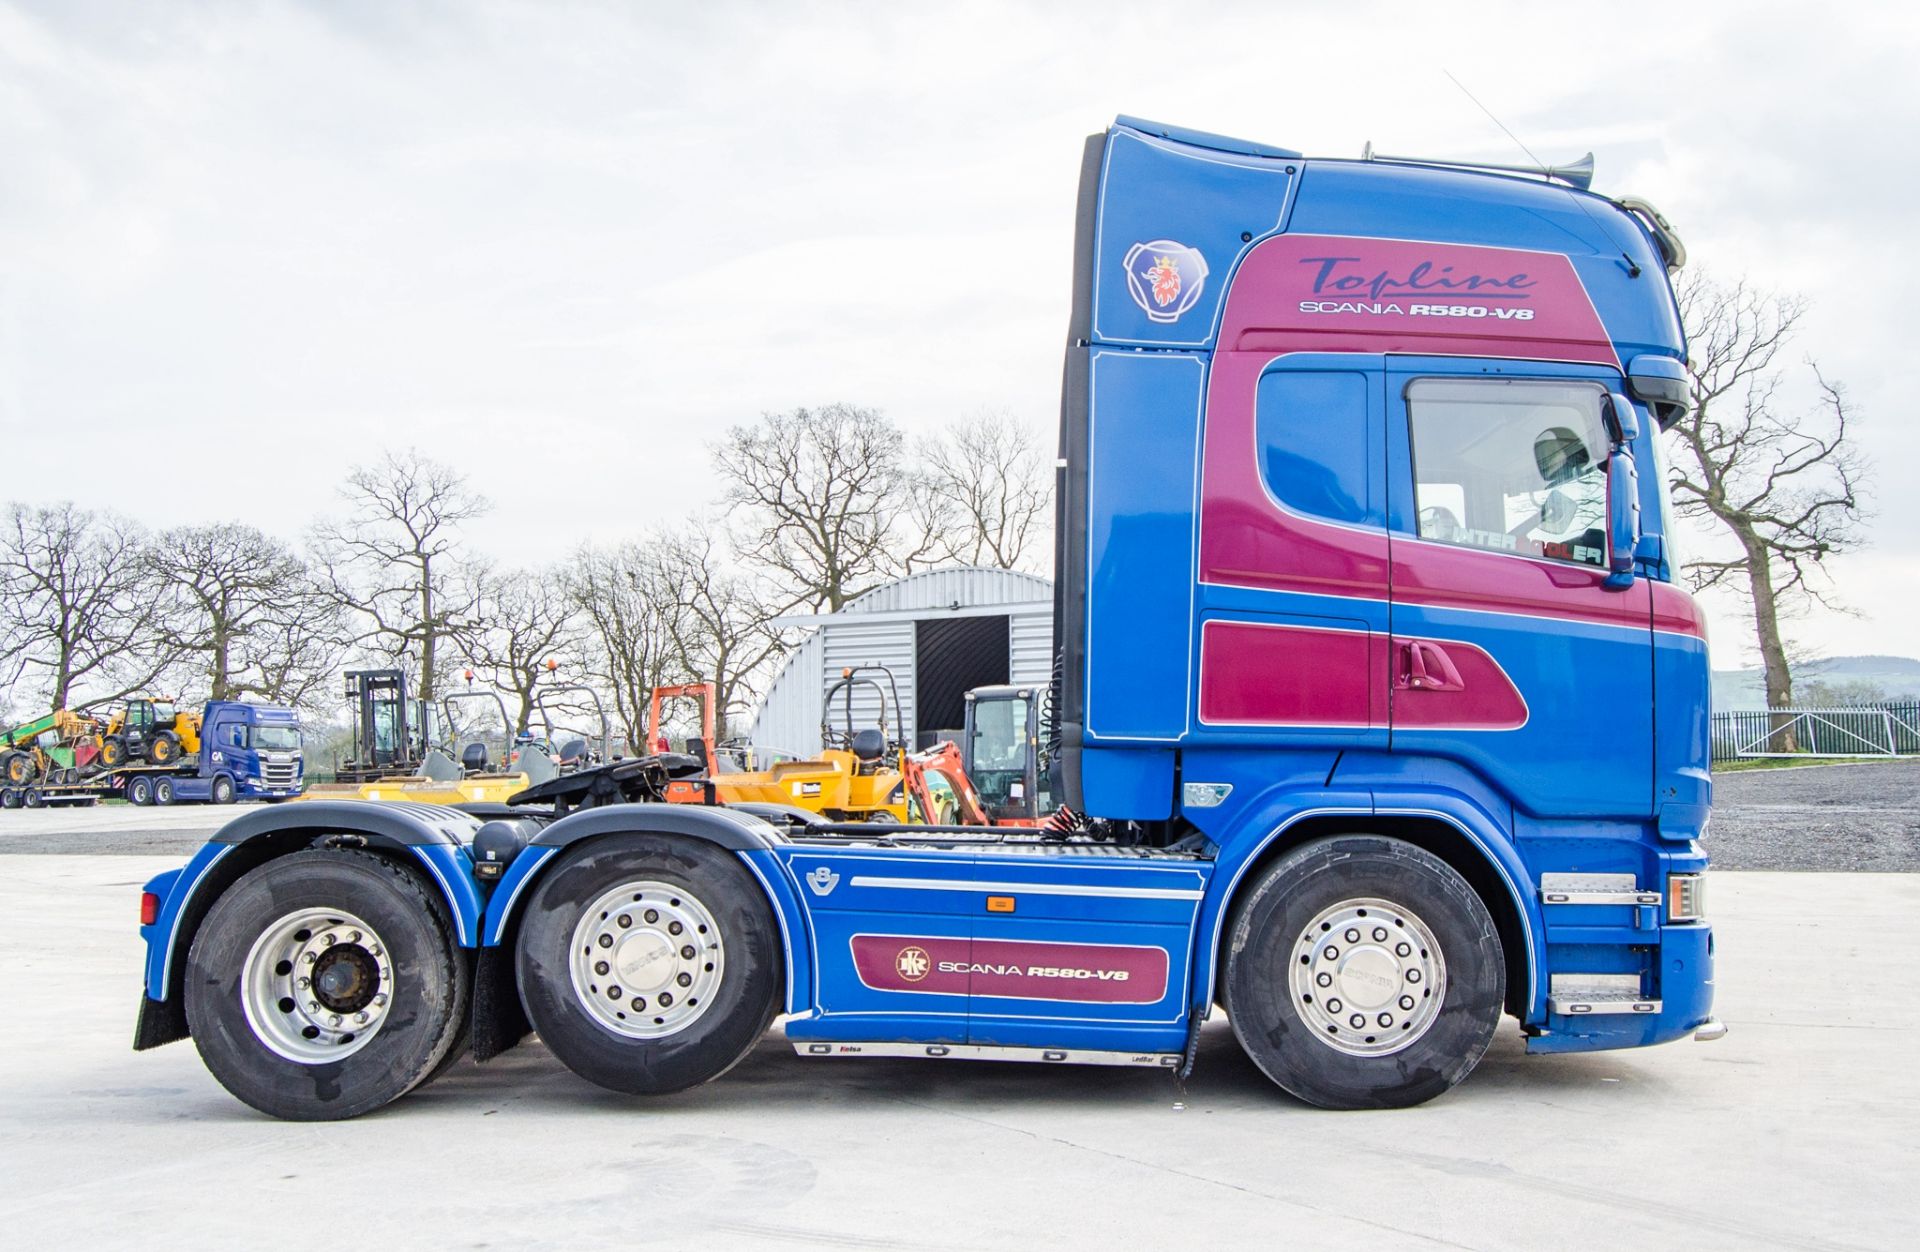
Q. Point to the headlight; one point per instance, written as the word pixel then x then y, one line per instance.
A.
pixel 1686 897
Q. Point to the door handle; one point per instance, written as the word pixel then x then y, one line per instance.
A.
pixel 1427 667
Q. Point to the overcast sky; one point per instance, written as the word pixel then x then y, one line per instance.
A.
pixel 246 246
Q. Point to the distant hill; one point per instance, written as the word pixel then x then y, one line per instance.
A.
pixel 1850 678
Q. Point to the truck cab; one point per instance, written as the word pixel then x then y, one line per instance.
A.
pixel 256 748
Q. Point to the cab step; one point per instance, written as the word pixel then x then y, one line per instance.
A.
pixel 1590 995
pixel 1594 889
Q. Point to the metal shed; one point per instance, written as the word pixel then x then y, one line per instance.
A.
pixel 941 633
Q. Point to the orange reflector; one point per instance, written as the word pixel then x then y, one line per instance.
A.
pixel 999 904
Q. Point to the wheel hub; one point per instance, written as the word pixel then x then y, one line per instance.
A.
pixel 1368 977
pixel 317 985
pixel 646 959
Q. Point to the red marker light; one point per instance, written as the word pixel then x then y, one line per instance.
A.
pixel 149 908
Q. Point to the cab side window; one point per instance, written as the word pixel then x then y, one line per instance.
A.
pixel 1312 436
pixel 1513 466
pixel 236 735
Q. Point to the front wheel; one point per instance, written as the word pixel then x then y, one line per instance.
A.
pixel 1364 973
pixel 326 984
pixel 16 768
pixel 223 790
pixel 649 964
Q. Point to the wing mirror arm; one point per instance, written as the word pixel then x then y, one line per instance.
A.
pixel 1623 494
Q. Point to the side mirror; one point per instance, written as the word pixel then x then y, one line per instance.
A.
pixel 1623 498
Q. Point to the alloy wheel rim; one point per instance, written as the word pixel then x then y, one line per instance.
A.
pixel 646 959
pixel 317 985
pixel 1368 977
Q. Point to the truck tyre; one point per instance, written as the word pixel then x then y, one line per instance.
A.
pixel 10 798
pixel 164 748
pixel 326 984
pixel 222 791
pixel 1363 973
pixel 649 964
pixel 140 790
pixel 163 791
pixel 32 798
pixel 113 752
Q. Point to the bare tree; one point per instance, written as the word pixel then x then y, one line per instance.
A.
pixel 996 489
pixel 720 628
pixel 627 650
pixel 392 561
pixel 821 494
pixel 522 619
pixel 1784 482
pixel 78 604
pixel 244 611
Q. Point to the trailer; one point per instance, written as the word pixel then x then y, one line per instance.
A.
pixel 242 752
pixel 1378 707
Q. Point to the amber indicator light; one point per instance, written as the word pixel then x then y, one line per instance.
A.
pixel 999 904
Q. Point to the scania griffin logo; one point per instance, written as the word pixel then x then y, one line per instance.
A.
pixel 913 963
pixel 1164 278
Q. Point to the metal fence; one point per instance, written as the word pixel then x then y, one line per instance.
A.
pixel 1871 730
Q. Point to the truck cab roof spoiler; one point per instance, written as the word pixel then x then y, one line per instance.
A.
pixel 1205 139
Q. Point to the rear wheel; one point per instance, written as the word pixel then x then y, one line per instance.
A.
pixel 223 790
pixel 113 752
pixel 10 798
pixel 649 964
pixel 33 799
pixel 163 791
pixel 16 768
pixel 164 748
pixel 140 790
pixel 1364 973
pixel 326 984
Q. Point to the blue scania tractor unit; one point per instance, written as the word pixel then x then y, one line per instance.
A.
pixel 1378 715
pixel 247 752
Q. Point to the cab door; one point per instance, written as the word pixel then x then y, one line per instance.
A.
pixel 1508 650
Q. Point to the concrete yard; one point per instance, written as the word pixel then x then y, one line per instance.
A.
pixel 1797 1130
pixel 1825 817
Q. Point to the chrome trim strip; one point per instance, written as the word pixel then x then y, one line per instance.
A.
pixel 1028 888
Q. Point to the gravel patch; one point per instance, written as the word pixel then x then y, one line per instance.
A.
pixel 1823 817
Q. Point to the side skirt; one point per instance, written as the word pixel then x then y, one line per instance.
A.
pixel 983 1052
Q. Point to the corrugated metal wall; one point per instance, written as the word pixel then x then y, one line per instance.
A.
pixel 788 719
pixel 1032 644
pixel 849 642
